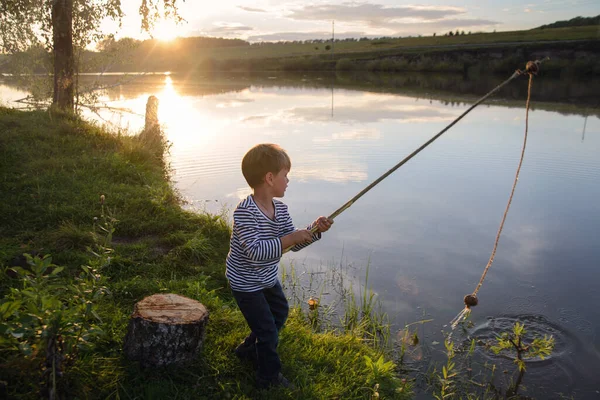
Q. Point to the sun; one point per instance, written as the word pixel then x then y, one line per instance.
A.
pixel 165 30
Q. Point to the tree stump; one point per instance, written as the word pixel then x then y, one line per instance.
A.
pixel 165 329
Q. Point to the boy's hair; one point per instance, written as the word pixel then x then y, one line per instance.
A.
pixel 262 159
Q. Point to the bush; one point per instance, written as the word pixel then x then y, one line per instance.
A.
pixel 379 42
pixel 345 64
pixel 373 65
pixel 387 65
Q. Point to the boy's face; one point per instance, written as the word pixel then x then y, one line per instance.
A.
pixel 280 182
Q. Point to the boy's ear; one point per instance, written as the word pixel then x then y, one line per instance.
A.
pixel 269 178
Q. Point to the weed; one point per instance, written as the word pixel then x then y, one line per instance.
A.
pixel 447 384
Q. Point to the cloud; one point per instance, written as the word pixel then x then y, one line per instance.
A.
pixel 403 20
pixel 267 37
pixel 373 14
pixel 226 28
pixel 378 20
pixel 254 118
pixel 252 9
pixel 398 29
pixel 404 28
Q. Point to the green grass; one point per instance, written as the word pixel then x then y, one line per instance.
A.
pixel 53 170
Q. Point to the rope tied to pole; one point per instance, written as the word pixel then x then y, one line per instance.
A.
pixel 471 300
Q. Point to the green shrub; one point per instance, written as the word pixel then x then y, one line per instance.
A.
pixel 345 64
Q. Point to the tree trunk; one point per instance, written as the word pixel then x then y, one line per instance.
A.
pixel 62 35
pixel 165 329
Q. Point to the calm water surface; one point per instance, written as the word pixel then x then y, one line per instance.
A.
pixel 426 232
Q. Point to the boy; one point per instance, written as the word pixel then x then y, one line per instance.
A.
pixel 262 230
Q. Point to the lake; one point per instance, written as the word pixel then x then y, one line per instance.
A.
pixel 426 232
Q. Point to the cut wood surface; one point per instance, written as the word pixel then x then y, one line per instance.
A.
pixel 165 329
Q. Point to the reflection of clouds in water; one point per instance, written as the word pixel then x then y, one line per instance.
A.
pixel 363 134
pixel 528 244
pixel 331 173
pixel 400 307
pixel 371 111
pixel 407 284
pixel 573 319
pixel 231 103
pixel 241 193
pixel 354 135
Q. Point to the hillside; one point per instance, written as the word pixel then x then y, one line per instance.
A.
pixel 577 21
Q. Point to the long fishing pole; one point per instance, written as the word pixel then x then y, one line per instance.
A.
pixel 532 67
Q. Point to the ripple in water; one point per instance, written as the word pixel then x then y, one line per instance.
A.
pixel 582 326
pixel 535 326
pixel 542 376
pixel 525 305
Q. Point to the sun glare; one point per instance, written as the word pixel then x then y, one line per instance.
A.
pixel 165 30
pixel 182 119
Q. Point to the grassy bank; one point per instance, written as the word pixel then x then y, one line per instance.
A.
pixel 54 170
pixel 578 58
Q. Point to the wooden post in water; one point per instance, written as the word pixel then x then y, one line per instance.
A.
pixel 152 135
pixel 151 113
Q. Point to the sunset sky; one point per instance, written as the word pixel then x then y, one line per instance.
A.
pixel 294 20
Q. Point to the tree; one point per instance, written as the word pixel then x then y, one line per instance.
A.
pixel 433 34
pixel 62 24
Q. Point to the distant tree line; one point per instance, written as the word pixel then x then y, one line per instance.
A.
pixel 317 41
pixel 184 44
pixel 577 21
pixel 457 33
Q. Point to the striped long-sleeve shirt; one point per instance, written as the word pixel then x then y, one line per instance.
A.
pixel 255 248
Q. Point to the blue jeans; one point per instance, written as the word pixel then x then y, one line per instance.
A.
pixel 265 312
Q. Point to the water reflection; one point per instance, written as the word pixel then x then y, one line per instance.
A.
pixel 427 230
pixel 367 109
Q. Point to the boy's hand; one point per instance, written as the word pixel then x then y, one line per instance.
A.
pixel 302 236
pixel 323 224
